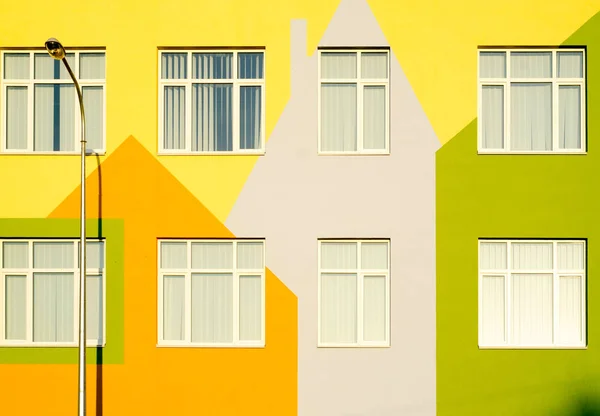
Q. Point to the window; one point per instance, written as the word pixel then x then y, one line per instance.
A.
pixel 354 284
pixel 212 102
pixel 41 109
pixel 211 293
pixel 532 101
pixel 354 102
pixel 39 292
pixel 532 294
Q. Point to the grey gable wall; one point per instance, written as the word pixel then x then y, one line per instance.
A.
pixel 293 197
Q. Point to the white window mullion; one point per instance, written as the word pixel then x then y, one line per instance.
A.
pixel 30 112
pixel 188 105
pixel 235 110
pixel 187 310
pixel 360 299
pixel 359 104
pixel 236 297
pixel 555 294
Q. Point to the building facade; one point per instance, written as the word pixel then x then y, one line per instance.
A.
pixel 282 218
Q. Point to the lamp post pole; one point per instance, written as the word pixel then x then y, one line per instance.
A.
pixel 56 51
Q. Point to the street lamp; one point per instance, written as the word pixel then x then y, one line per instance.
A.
pixel 56 51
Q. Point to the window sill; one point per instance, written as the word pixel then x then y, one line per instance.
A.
pixel 354 346
pixel 499 152
pixel 5 153
pixel 254 153
pixel 386 153
pixel 252 346
pixel 49 345
pixel 533 347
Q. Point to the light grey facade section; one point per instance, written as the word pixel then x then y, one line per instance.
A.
pixel 293 197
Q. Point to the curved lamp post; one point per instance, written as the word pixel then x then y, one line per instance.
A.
pixel 56 51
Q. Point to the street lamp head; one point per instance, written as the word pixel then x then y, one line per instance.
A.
pixel 55 49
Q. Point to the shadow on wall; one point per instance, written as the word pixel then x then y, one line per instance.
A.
pixel 583 406
pixel 99 351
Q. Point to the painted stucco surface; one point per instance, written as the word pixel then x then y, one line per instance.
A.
pixel 294 197
pixel 527 196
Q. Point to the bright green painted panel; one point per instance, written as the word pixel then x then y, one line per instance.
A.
pixel 112 231
pixel 516 196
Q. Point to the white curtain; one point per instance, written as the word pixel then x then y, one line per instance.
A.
pixel 173 255
pixel 212 65
pixel 54 117
pixel 15 307
pixel 214 255
pixel 532 309
pixel 15 255
pixel 492 256
pixel 212 119
pixel 374 256
pixel 16 66
pixel 53 255
pixel 91 66
pixel 250 117
pixel 374 315
pixel 492 310
pixel 492 116
pixel 53 307
pixel 174 117
pixel 250 255
pixel 94 254
pixel 173 65
pixel 492 64
pixel 173 308
pixel 16 117
pixel 531 116
pixel 93 101
pixel 531 64
pixel 570 65
pixel 47 68
pixel 338 65
pixel 338 308
pixel 569 117
pixel 212 308
pixel 374 65
pixel 338 117
pixel 250 311
pixel 374 117
pixel 570 256
pixel 570 310
pixel 250 65
pixel 532 256
pixel 94 312
pixel 338 255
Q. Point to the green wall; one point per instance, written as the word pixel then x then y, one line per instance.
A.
pixel 517 196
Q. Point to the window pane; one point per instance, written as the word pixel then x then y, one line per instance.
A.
pixel 532 256
pixel 91 66
pixel 532 309
pixel 15 255
pixel 212 117
pixel 16 66
pixel 173 255
pixel 250 117
pixel 212 255
pixel 569 117
pixel 54 255
pixel 374 64
pixel 492 310
pixel 93 101
pixel 212 65
pixel 374 322
pixel 338 117
pixel 173 65
pixel 492 256
pixel 212 308
pixel 374 256
pixel 338 255
pixel 250 65
pixel 492 117
pixel 338 308
pixel 54 117
pixel 250 255
pixel 45 67
pixel 250 308
pixel 16 118
pixel 531 116
pixel 173 308
pixel 570 256
pixel 53 307
pixel 570 311
pixel 94 317
pixel 338 65
pixel 374 117
pixel 531 64
pixel 16 308
pixel 570 64
pixel 492 64
pixel 174 118
pixel 94 254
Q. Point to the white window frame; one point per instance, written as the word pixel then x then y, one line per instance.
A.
pixel 30 84
pixel 360 275
pixel 235 110
pixel 28 273
pixel 187 273
pixel 556 274
pixel 554 80
pixel 360 84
